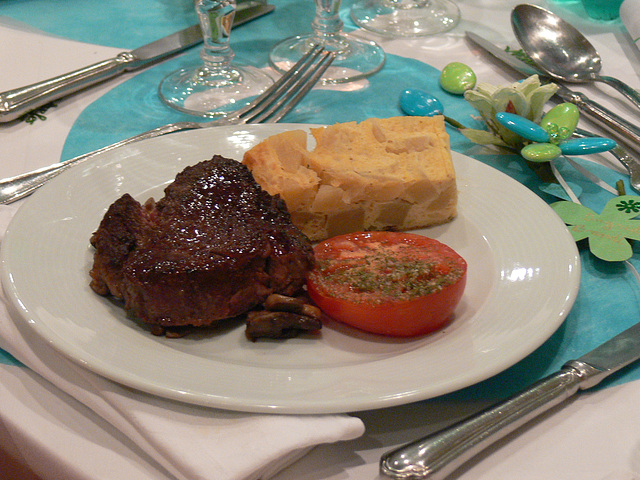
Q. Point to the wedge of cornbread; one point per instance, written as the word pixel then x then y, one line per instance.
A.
pixel 380 174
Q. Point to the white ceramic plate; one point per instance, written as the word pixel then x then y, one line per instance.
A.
pixel 523 277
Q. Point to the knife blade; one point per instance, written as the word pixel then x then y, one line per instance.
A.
pixel 15 103
pixel 438 455
pixel 605 118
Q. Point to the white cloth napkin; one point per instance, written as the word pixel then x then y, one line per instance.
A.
pixel 190 442
pixel 630 17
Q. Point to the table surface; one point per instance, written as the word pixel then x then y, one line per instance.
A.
pixel 548 439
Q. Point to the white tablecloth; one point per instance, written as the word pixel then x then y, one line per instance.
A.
pixel 594 437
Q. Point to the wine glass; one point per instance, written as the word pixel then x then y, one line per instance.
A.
pixel 405 18
pixel 215 86
pixel 355 58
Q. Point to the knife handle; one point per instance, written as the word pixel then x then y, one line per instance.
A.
pixel 608 120
pixel 436 456
pixel 17 102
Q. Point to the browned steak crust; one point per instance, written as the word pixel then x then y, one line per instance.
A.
pixel 214 247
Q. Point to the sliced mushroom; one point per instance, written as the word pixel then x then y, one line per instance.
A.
pixel 270 324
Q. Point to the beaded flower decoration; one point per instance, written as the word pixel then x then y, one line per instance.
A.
pixel 552 138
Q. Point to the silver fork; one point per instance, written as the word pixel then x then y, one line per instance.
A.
pixel 269 107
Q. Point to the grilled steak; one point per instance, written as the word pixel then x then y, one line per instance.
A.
pixel 214 247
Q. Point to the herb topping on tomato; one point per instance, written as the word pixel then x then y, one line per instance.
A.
pixel 390 283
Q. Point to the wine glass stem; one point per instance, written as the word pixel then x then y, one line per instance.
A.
pixel 327 24
pixel 216 18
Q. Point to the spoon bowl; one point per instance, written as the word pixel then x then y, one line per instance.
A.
pixel 561 50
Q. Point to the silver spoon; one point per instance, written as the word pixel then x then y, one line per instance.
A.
pixel 561 50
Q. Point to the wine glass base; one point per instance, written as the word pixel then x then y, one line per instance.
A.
pixel 200 92
pixel 401 18
pixel 355 59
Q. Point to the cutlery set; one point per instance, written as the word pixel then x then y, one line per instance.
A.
pixel 526 22
pixel 438 455
pixel 17 102
pixel 269 107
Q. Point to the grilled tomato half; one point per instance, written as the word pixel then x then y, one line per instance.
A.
pixel 388 283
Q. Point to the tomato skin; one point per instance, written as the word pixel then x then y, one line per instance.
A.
pixel 398 318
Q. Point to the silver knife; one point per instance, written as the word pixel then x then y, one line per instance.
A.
pixel 17 102
pixel 438 455
pixel 613 123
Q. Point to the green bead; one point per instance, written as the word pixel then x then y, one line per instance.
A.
pixel 457 78
pixel 541 152
pixel 561 121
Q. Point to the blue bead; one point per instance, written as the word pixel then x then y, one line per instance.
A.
pixel 584 146
pixel 523 127
pixel 420 103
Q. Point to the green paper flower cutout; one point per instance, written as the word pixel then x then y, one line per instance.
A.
pixel 608 231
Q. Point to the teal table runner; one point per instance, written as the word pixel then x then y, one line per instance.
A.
pixel 609 298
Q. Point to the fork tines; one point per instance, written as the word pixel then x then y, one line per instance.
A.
pixel 275 102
